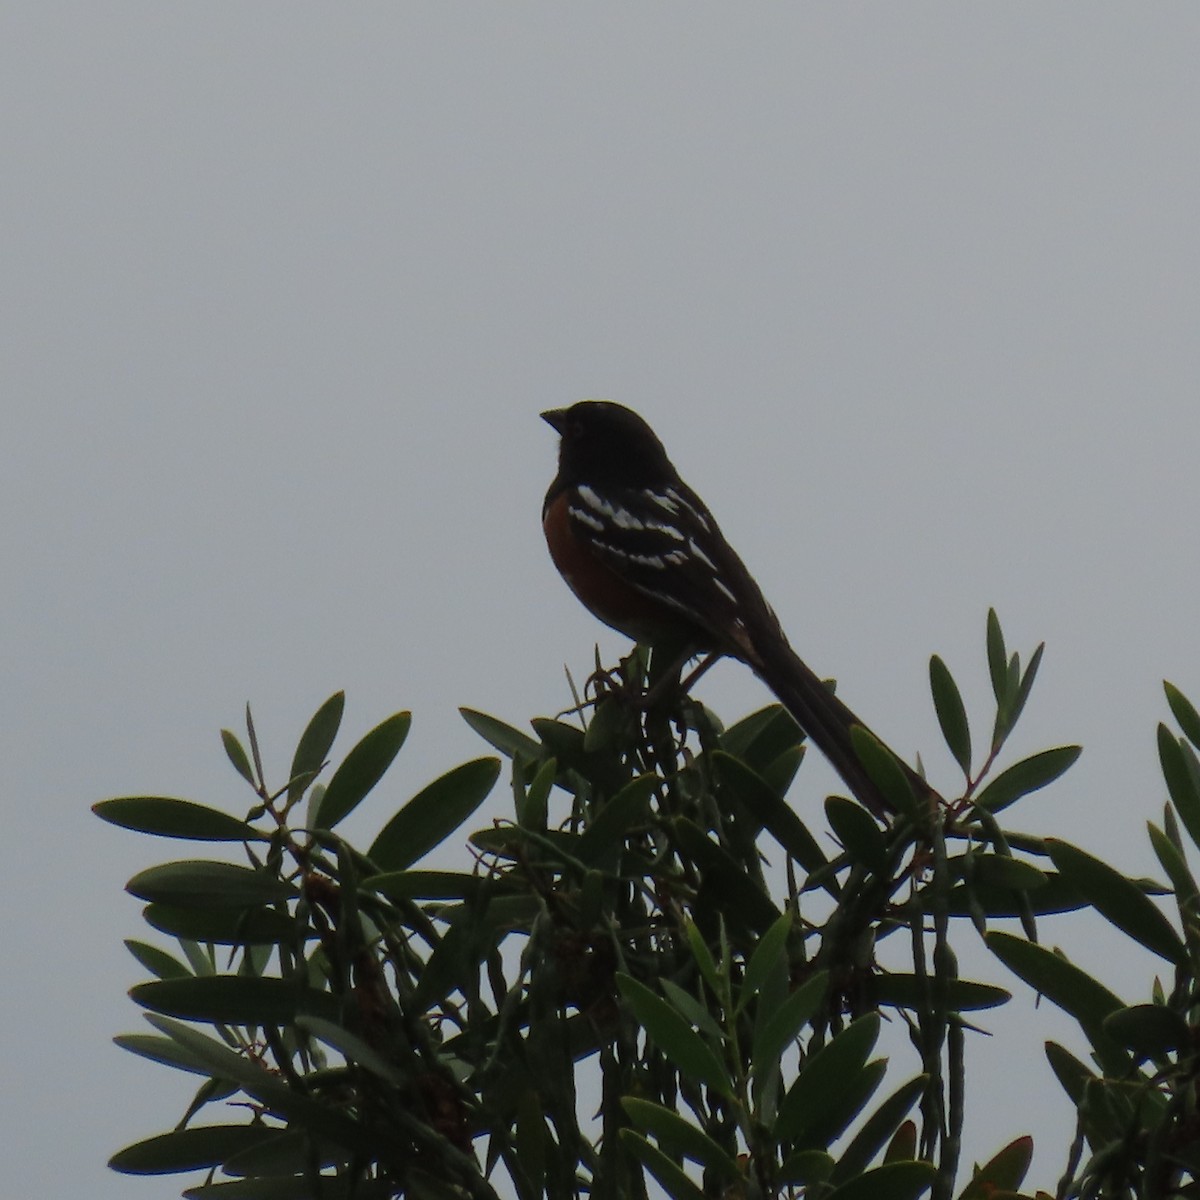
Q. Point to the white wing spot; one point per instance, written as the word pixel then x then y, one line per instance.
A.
pixel 680 502
pixel 586 518
pixel 648 560
pixel 724 589
pixel 664 502
pixel 695 549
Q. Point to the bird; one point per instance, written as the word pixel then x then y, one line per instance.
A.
pixel 642 552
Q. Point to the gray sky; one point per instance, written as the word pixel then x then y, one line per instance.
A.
pixel 909 291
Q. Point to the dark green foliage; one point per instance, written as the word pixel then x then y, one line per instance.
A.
pixel 658 976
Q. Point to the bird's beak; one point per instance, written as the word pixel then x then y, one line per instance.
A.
pixel 556 418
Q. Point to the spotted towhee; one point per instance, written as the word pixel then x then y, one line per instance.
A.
pixel 643 553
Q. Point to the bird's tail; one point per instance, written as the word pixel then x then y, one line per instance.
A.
pixel 828 724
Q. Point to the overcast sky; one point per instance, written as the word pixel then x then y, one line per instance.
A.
pixel 910 292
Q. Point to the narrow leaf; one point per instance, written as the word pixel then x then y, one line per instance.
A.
pixel 674 1036
pixel 167 817
pixel 362 769
pixel 236 754
pixel 433 814
pixel 158 962
pixel 680 1137
pixel 878 1130
pixel 1027 776
pixel 1070 1072
pixel 769 955
pixel 351 1047
pixel 257 926
pixel 314 745
pixel 1060 981
pixel 602 840
pixel 1179 772
pixel 1005 1171
pixel 161 1050
pixel 201 883
pixel 951 713
pixel 1184 712
pixel 857 831
pixel 235 1000
pixel 509 741
pixel 962 995
pixel 772 812
pixel 189 1149
pixel 1149 1030
pixel 1118 899
pixel 892 1181
pixel 997 656
pixel 727 888
pixel 668 1173
pixel 825 1078
pixel 774 1034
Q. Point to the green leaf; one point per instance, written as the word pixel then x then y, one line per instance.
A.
pixel 769 955
pixel 807 1167
pixel 832 1119
pixel 857 831
pixel 951 713
pixel 680 1137
pixel 997 656
pixel 885 770
pixel 509 741
pixel 1004 1172
pixel 225 926
pixel 189 1149
pixel 283 1155
pixel 1070 1072
pixel 1002 870
pixel 351 1047
pixel 773 1035
pixel 433 814
pixel 1118 899
pixel 193 883
pixel 314 745
pixel 236 754
pixel 235 1000
pixel 158 962
pixel 1027 776
pixel 1175 864
pixel 601 842
pixel 892 1181
pixel 1183 779
pixel 716 977
pixel 669 1174
pixel 1149 1030
pixel 826 1077
pixel 961 995
pixel 532 803
pixel 166 817
pixel 691 1009
pixel 727 888
pixel 362 769
pixel 1054 896
pixel 161 1050
pixel 674 1036
pixel 878 1130
pixel 269 1089
pixel 1025 686
pixel 763 737
pixel 425 885
pixel 1063 983
pixel 771 811
pixel 1184 712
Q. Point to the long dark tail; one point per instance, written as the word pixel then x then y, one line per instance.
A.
pixel 827 722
